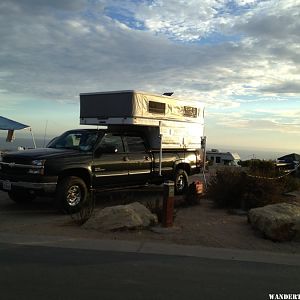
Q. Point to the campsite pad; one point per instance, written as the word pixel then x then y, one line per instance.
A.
pixel 197 225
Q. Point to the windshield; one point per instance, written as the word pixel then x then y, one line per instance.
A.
pixel 78 140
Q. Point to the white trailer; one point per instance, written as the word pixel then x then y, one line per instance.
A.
pixel 168 122
pixel 219 158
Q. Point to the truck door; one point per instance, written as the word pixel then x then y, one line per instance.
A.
pixel 110 162
pixel 139 160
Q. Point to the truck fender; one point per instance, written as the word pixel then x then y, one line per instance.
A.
pixel 84 173
pixel 181 164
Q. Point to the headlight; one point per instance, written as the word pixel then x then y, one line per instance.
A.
pixel 38 162
pixel 37 167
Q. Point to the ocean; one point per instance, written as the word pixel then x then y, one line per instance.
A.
pixel 259 154
pixel 27 143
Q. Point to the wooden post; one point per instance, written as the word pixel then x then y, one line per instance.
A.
pixel 168 204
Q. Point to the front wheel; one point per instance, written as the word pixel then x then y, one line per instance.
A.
pixel 71 193
pixel 181 182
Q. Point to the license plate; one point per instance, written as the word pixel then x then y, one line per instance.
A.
pixel 7 185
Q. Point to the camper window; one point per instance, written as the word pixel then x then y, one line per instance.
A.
pixel 218 159
pixel 190 111
pixel 226 162
pixel 157 107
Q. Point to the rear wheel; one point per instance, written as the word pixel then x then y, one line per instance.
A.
pixel 21 196
pixel 71 193
pixel 181 182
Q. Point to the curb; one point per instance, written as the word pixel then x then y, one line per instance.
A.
pixel 151 248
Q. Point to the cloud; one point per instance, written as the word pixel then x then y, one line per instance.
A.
pixel 183 20
pixel 292 115
pixel 283 88
pixel 57 49
pixel 275 20
pixel 37 6
pixel 264 49
pixel 276 121
pixel 54 58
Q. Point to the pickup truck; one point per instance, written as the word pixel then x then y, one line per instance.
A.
pixel 81 160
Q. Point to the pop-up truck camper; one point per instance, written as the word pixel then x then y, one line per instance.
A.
pixel 179 122
pixel 137 138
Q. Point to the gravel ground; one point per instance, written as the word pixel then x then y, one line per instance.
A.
pixel 196 225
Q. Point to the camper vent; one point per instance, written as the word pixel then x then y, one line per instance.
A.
pixel 157 107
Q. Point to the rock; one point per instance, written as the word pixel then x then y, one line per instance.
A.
pixel 144 213
pixel 278 222
pixel 134 215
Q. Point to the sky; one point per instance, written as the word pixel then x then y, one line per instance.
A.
pixel 240 57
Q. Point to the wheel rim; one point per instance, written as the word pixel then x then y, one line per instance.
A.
pixel 180 183
pixel 74 195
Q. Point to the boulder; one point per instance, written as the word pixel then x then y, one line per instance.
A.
pixel 278 222
pixel 131 216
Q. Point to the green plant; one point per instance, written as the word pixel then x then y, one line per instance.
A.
pixel 290 183
pixel 260 191
pixel 233 189
pixel 226 188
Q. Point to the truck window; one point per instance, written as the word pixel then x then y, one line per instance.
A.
pixel 77 140
pixel 135 144
pixel 110 141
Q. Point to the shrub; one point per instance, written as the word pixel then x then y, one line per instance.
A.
pixel 261 191
pixel 234 189
pixel 226 188
pixel 290 183
pixel 262 168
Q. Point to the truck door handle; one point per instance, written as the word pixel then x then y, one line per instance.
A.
pixel 146 157
pixel 125 158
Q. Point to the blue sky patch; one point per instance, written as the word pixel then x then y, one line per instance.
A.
pixel 218 38
pixel 124 16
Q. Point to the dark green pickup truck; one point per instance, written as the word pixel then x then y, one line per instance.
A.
pixel 85 159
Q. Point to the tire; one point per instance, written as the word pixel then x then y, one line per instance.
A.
pixel 181 182
pixel 21 196
pixel 71 193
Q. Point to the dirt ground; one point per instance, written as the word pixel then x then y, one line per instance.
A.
pixel 195 225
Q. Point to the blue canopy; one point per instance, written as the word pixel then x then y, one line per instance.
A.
pixel 7 124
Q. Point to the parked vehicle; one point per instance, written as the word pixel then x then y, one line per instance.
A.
pixel 84 159
pixel 218 158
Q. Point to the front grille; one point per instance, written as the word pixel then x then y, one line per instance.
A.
pixel 12 169
pixel 17 160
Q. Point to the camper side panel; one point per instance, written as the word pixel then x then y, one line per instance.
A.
pixel 167 108
pixel 102 105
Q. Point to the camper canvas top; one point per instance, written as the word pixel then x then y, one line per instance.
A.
pixel 181 122
pixel 133 107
